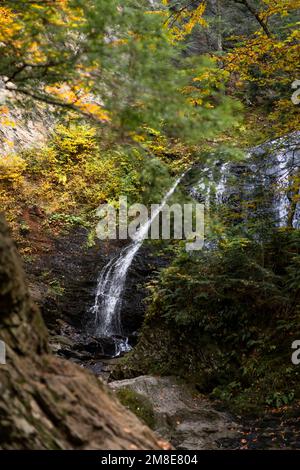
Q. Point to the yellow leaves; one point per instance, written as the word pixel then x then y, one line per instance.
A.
pixel 203 76
pixel 95 110
pixel 156 12
pixel 278 7
pixel 213 76
pixel 7 122
pixel 6 16
pixel 17 24
pixel 189 89
pixel 196 101
pixel 12 168
pixel 9 143
pixel 202 90
pixel 77 97
pixel 63 4
pixel 272 58
pixel 137 137
pixel 60 12
pixel 270 55
pixel 8 24
pixel 285 117
pixel 195 18
pixel 62 179
pixel 36 6
pixel 35 54
pixel 119 42
pixel 182 22
pixel 295 34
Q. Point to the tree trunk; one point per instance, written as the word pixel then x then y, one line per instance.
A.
pixel 219 26
pixel 48 403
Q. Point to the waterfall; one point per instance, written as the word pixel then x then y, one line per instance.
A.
pixel 264 176
pixel 111 283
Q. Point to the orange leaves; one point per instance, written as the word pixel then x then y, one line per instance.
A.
pixel 8 25
pixel 77 97
pixel 4 110
pixel 94 110
pixel 5 119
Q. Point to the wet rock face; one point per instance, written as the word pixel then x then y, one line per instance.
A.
pixel 64 278
pixel 63 281
pixel 143 269
pixel 181 415
pixel 261 187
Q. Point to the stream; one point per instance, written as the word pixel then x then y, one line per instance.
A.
pixel 106 310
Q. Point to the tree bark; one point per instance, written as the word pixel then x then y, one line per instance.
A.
pixel 45 402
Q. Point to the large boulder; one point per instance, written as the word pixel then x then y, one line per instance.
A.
pixel 181 414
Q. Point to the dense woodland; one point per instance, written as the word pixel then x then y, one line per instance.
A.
pixel 101 99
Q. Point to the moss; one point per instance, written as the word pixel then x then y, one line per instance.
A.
pixel 138 404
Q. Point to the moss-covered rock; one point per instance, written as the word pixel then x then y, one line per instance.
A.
pixel 138 404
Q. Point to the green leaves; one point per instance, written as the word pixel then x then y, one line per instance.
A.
pixel 229 292
pixel 112 62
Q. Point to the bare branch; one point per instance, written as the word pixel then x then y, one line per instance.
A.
pixel 257 16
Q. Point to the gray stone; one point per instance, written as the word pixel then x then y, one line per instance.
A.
pixel 182 415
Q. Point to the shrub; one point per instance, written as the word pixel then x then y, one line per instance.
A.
pixel 74 144
pixel 228 315
pixel 72 175
pixel 12 168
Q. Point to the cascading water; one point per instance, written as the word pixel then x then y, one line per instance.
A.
pixel 265 175
pixel 266 170
pixel 108 301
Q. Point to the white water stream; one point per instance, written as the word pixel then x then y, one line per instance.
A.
pixel 112 279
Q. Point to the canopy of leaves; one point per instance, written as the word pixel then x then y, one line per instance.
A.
pixel 111 61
